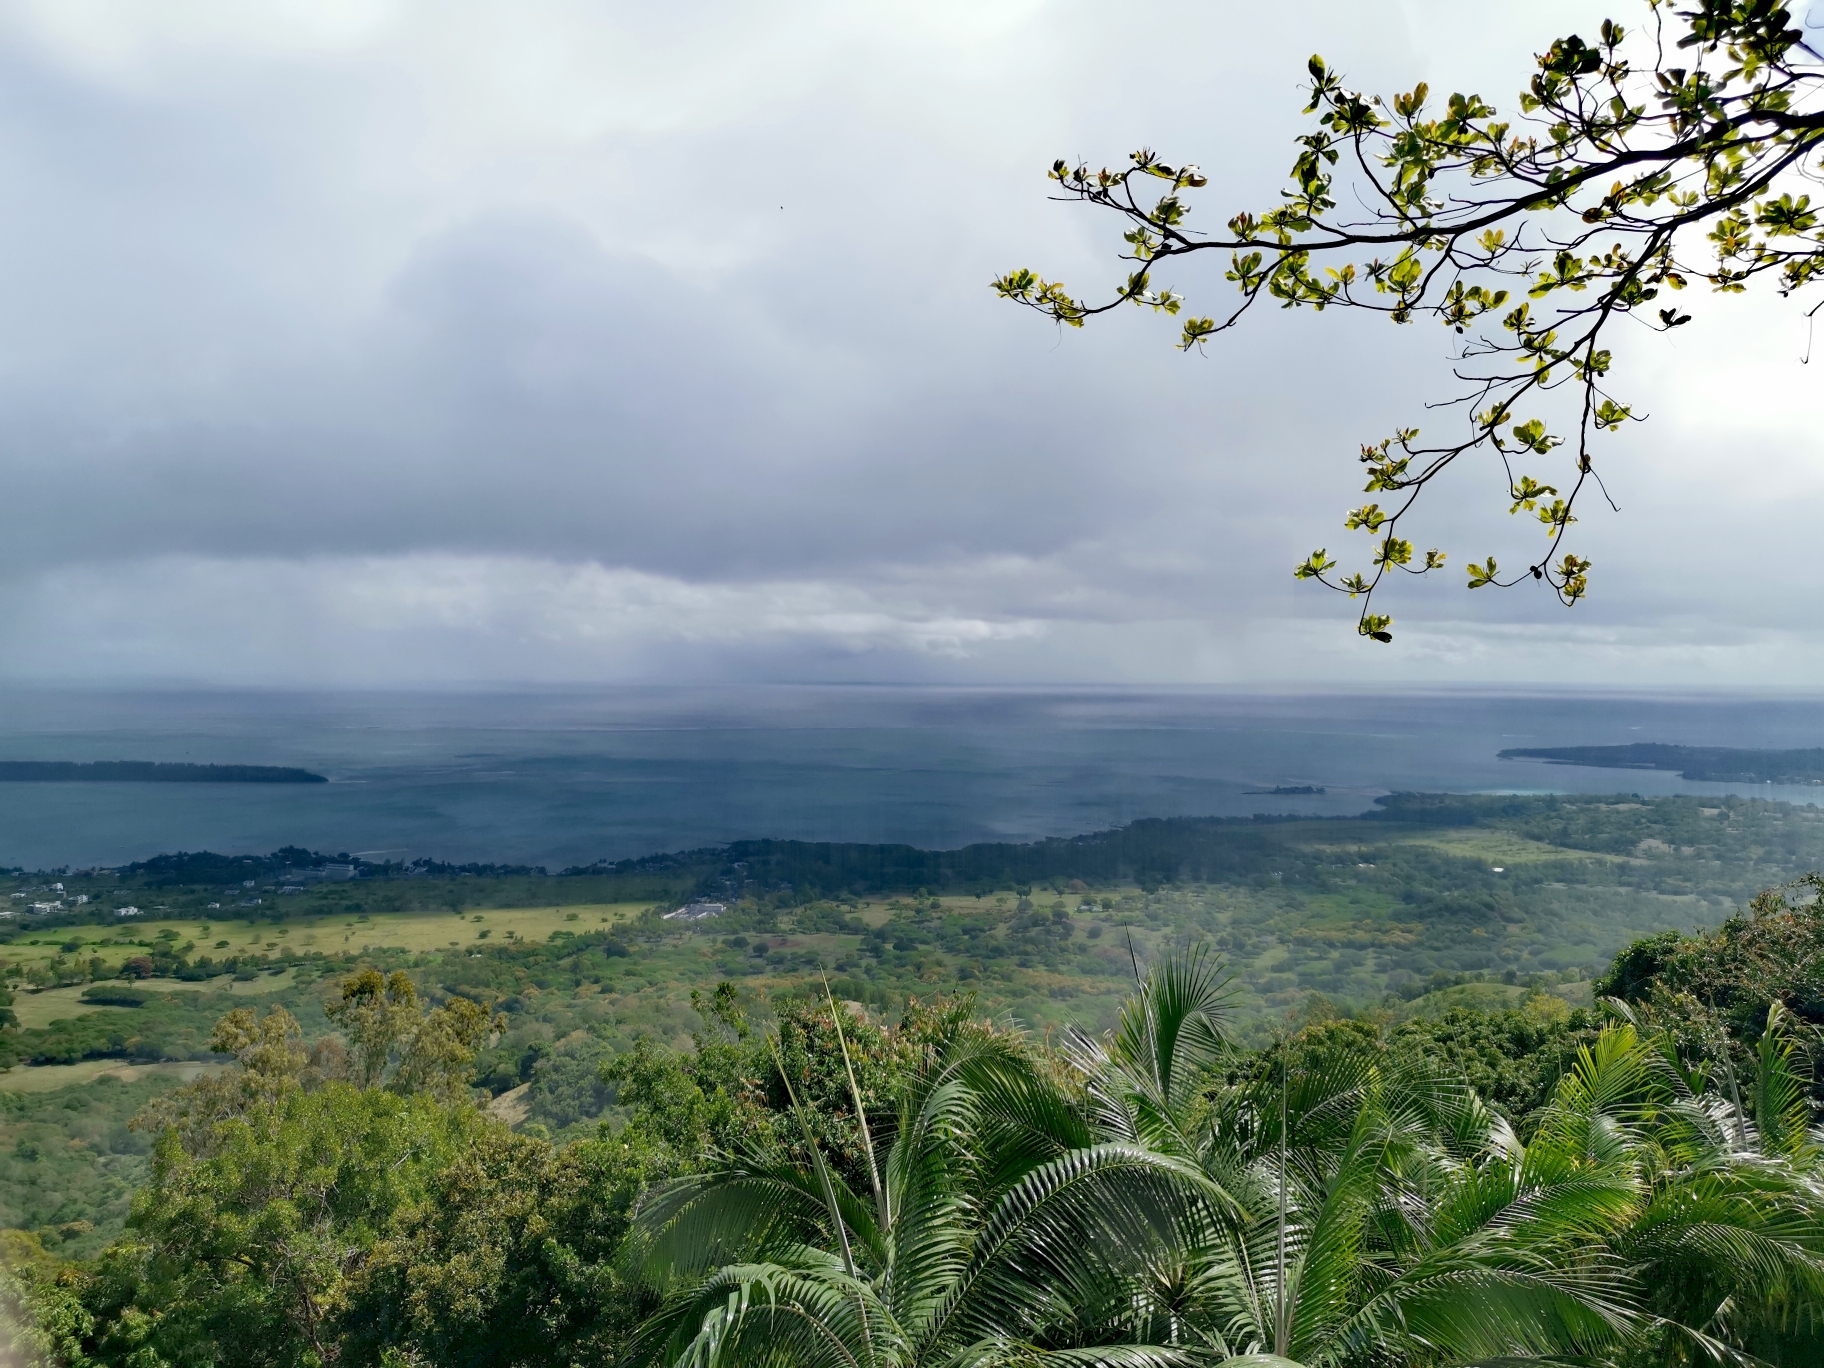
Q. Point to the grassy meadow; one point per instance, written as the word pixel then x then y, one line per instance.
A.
pixel 414 932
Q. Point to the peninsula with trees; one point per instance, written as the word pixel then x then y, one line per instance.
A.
pixel 1709 764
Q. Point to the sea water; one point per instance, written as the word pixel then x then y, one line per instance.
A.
pixel 561 777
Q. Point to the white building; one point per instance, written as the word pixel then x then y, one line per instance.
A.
pixel 126 911
pixel 696 911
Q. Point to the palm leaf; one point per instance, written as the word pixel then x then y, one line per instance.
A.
pixel 1004 1353
pixel 1060 1242
pixel 1782 1107
pixel 1470 1314
pixel 700 1220
pixel 770 1316
pixel 1172 1031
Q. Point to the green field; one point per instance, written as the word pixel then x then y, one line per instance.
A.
pixel 417 932
pixel 1497 847
pixel 44 1078
pixel 46 1005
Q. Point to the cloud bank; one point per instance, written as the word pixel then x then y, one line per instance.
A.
pixel 409 342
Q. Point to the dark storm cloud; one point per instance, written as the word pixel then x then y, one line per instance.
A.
pixel 385 341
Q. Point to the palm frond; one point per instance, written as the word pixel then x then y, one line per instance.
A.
pixel 770 1316
pixel 1061 1242
pixel 700 1220
pixel 1000 1352
pixel 1782 1107
pixel 1325 1276
pixel 1109 1088
pixel 1021 1120
pixel 1173 1030
pixel 1746 1237
pixel 1605 1095
pixel 1464 1311
pixel 1561 1207
pixel 738 1212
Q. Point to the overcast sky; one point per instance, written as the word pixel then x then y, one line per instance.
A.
pixel 435 341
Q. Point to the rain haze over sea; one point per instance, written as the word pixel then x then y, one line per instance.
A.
pixel 567 776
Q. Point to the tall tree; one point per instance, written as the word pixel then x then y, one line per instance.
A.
pixel 273 1184
pixel 510 1259
pixel 245 1253
pixel 393 1038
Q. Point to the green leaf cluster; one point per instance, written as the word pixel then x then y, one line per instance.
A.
pixel 1640 162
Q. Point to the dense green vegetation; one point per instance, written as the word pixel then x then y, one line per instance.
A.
pixel 803 1181
pixel 69 1161
pixel 1717 764
pixel 1345 1200
pixel 1352 908
pixel 1401 913
pixel 1720 848
pixel 159 1026
pixel 1462 930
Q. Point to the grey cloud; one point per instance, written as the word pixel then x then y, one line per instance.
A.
pixel 370 336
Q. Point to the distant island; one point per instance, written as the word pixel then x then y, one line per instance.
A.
pixel 1288 790
pixel 148 772
pixel 1715 764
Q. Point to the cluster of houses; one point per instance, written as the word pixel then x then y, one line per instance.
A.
pixel 295 880
pixel 46 907
pixel 32 902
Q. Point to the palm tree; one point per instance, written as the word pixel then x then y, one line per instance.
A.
pixel 1141 1210
pixel 1391 1217
pixel 1723 1241
pixel 1382 1214
pixel 999 1230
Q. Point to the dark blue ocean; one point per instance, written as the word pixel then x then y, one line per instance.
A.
pixel 562 777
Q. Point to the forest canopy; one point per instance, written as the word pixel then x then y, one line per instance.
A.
pixel 813 1183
